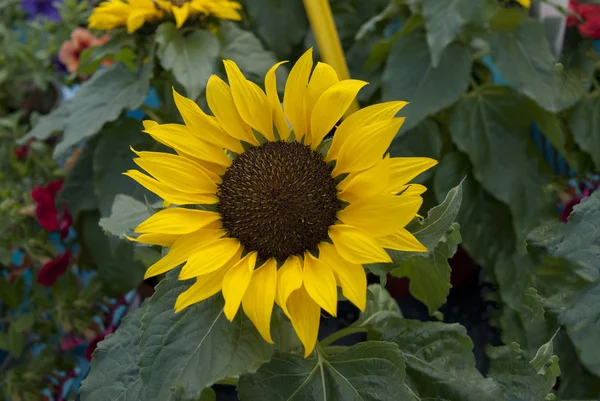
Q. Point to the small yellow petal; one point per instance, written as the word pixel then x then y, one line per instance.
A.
pixel 351 276
pixel 366 184
pixel 279 118
pixel 169 194
pixel 183 179
pixel 320 284
pixel 323 77
pixel 366 148
pixel 209 257
pixel 149 124
pixel 165 240
pixel 402 240
pixel 382 215
pixel 305 316
pixel 181 250
pixel 260 296
pixel 356 246
pixel 250 101
pixel 181 14
pixel 177 221
pixel 236 282
pixel 412 190
pixel 135 20
pixel 362 118
pixel 404 169
pixel 289 279
pixel 293 97
pixel 205 287
pixel 204 126
pixel 220 100
pixel 330 107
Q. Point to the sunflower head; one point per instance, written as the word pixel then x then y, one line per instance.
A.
pixel 134 14
pixel 265 209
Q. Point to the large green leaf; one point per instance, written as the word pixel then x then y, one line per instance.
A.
pixel 114 374
pixel 439 361
pixel 126 214
pixel 190 57
pixel 524 59
pixel 576 382
pixel 182 353
pixel 113 157
pixel 444 20
pixel 98 101
pixel 380 307
pixel 429 274
pixel 281 24
pixel 365 372
pixel 249 54
pixel 117 267
pixel 492 130
pixel 585 125
pixel 583 326
pixel 48 124
pixel 410 76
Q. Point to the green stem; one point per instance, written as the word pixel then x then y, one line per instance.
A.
pixel 228 381
pixel 151 113
pixel 342 333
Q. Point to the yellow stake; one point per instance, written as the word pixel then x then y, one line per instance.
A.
pixel 330 48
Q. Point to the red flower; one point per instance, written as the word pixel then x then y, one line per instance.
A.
pixel 590 13
pixel 89 351
pixel 45 210
pixel 52 270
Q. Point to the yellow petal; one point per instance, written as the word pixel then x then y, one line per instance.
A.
pixel 205 287
pixel 177 221
pixel 204 126
pixel 236 282
pixel 412 190
pixel 149 124
pixel 180 138
pixel 330 107
pixel 366 148
pixel 209 257
pixel 402 240
pixel 169 194
pixel 381 215
pixel 366 184
pixel 181 14
pixel 305 316
pixel 189 180
pixel 404 169
pixel 260 296
pixel 289 279
pixel 323 77
pixel 182 250
pixel 351 276
pixel 220 101
pixel 135 20
pixel 362 118
pixel 165 240
pixel 319 282
pixel 279 118
pixel 356 246
pixel 293 97
pixel 250 101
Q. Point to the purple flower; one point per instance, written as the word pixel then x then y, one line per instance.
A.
pixel 45 8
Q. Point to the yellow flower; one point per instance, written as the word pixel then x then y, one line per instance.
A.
pixel 134 13
pixel 525 3
pixel 285 217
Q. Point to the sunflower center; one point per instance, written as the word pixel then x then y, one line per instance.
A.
pixel 278 199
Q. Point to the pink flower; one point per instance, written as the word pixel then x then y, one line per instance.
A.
pixel 71 50
pixel 53 269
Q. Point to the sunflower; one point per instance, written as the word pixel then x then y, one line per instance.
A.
pixel 134 13
pixel 273 212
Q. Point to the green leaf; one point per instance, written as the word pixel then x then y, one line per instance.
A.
pixel 78 187
pixel 114 258
pixel 114 373
pixel 182 353
pixel 281 24
pixel 91 58
pixel 367 371
pixel 585 124
pixel 47 125
pixel 576 382
pixel 439 361
pixel 516 376
pixel 410 76
pixel 126 214
pixel 380 307
pixel 429 274
pixel 532 308
pixel 113 157
pixel 191 58
pixel 492 130
pixel 583 326
pixel 249 54
pixel 444 20
pixel 524 59
pixel 545 362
